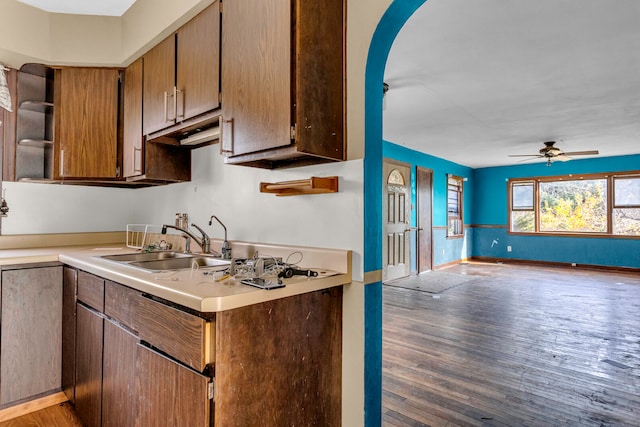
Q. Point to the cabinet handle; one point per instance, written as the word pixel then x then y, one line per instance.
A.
pixel 166 118
pixel 137 168
pixel 226 136
pixel 175 103
pixel 61 162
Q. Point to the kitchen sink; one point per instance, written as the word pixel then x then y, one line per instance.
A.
pixel 166 260
pixel 147 256
pixel 180 263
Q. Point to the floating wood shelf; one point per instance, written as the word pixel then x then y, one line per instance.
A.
pixel 313 185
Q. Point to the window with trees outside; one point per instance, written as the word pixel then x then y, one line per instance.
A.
pixel 455 226
pixel 594 204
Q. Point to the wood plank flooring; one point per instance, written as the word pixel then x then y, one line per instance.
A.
pixel 60 415
pixel 514 346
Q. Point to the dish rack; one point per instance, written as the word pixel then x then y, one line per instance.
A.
pixel 139 235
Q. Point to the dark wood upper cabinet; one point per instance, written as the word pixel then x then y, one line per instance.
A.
pixel 86 123
pixel 282 82
pixel 181 74
pixel 198 64
pixel 142 161
pixel 132 160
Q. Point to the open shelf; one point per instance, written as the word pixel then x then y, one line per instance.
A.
pixel 313 185
pixel 37 106
pixel 38 143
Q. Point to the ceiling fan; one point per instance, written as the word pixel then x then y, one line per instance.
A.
pixel 550 152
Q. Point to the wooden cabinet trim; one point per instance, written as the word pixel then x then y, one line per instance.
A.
pixel 121 304
pixel 91 290
pixel 187 338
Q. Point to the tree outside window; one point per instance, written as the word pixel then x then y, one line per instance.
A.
pixel 576 205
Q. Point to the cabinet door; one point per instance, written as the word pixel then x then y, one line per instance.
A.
pixel 256 75
pixel 89 346
pixel 170 394
pixel 8 131
pixel 69 291
pixel 294 377
pixel 158 84
pixel 132 160
pixel 199 64
pixel 119 398
pixel 31 345
pixel 319 78
pixel 86 123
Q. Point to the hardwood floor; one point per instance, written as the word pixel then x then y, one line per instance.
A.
pixel 60 415
pixel 514 346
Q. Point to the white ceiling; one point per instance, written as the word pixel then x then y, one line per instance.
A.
pixel 83 7
pixel 474 81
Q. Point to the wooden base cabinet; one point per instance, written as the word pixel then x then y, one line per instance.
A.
pixel 119 395
pixel 31 343
pixel 281 362
pixel 142 361
pixel 170 394
pixel 89 348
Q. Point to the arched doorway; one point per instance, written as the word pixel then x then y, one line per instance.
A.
pixel 388 27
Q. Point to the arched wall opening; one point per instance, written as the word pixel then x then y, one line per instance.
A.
pixel 390 24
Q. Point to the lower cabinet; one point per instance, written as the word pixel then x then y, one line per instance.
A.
pixel 30 339
pixel 171 395
pixel 119 395
pixel 144 362
pixel 89 329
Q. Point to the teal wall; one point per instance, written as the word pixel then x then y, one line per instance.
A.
pixel 491 209
pixel 487 201
pixel 444 250
pixel 384 35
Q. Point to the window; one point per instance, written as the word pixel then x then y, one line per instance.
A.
pixel 455 226
pixel 626 206
pixel 576 205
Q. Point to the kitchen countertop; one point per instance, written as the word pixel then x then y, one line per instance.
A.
pixel 194 289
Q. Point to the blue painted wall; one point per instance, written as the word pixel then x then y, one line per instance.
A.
pixel 491 208
pixel 384 35
pixel 484 204
pixel 444 250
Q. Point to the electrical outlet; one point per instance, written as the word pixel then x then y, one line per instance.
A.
pixel 508 248
pixel 443 252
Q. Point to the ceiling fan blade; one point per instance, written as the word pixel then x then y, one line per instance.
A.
pixel 562 157
pixel 525 155
pixel 530 158
pixel 582 153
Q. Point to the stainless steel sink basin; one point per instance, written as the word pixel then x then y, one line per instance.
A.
pixel 180 263
pixel 165 260
pixel 146 256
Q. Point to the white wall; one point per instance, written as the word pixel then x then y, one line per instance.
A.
pixel 231 192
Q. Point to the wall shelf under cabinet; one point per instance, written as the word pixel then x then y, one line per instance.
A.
pixel 38 143
pixel 313 185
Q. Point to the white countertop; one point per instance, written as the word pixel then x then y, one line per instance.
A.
pixel 194 289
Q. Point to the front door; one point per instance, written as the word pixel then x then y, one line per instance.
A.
pixel 396 200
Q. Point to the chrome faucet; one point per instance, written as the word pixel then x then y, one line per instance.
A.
pixel 226 246
pixel 204 242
